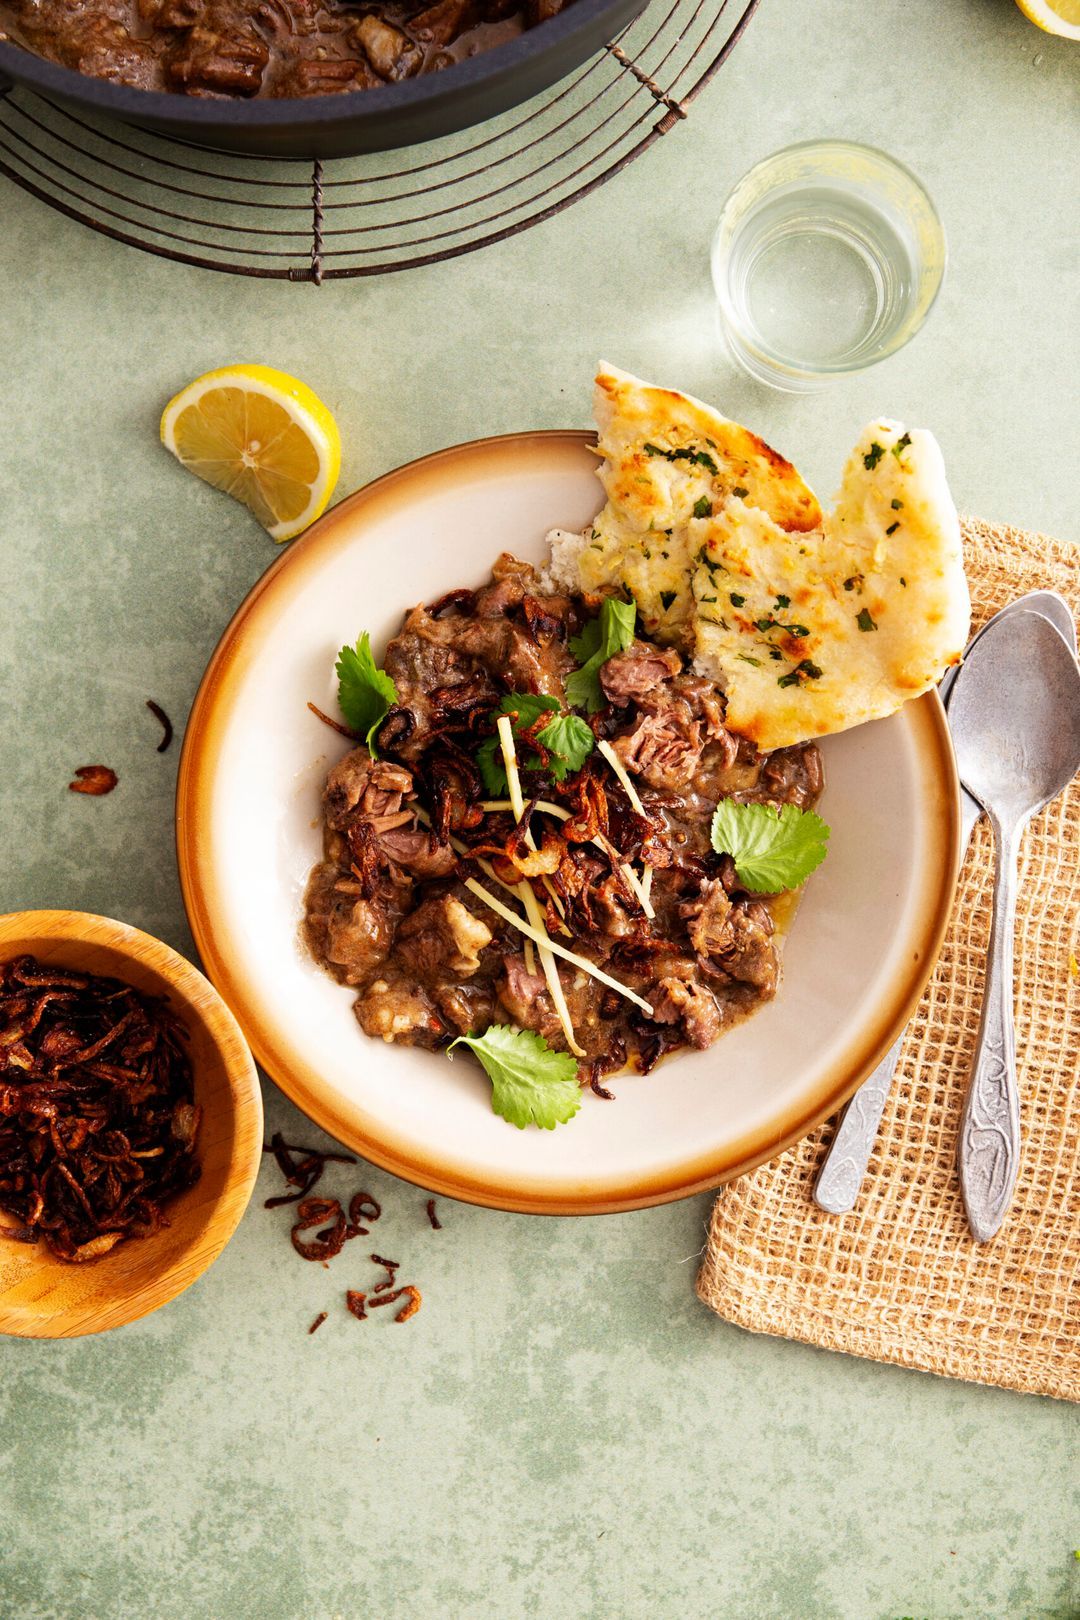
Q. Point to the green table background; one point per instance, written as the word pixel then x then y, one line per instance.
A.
pixel 563 1431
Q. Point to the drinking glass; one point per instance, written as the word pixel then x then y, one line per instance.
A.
pixel 827 259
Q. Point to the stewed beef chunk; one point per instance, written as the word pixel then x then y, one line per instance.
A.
pixel 733 938
pixel 676 720
pixel 221 56
pixel 442 938
pixel 372 789
pixel 792 776
pixel 681 1001
pixel 634 675
pixel 391 53
pixel 352 934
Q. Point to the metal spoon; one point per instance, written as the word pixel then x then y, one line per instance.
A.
pixel 1015 722
pixel 843 1170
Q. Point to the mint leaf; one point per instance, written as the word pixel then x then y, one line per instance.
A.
pixel 614 634
pixel 771 851
pixel 530 1084
pixel 365 692
pixel 570 741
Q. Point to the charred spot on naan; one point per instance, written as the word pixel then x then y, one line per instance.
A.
pixel 778 487
pixel 637 418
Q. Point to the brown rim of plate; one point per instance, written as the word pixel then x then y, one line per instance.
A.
pixel 43 1298
pixel 305 1086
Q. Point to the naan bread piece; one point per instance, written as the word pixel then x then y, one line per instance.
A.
pixel 810 633
pixel 667 460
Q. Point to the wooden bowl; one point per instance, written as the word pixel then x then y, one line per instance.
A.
pixel 42 1297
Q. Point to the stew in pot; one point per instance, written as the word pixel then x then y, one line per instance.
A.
pixel 264 47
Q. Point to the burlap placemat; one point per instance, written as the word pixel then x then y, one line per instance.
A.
pixel 900 1278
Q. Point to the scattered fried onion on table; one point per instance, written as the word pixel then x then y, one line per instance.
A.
pixel 97 1114
pixel 93 779
pixel 301 1173
pixel 392 1269
pixel 414 1301
pixel 302 1168
pixel 166 724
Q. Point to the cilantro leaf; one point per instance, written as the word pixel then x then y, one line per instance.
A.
pixel 365 692
pixel 530 1084
pixel 614 634
pixel 570 741
pixel 617 620
pixel 584 646
pixel 566 737
pixel 489 759
pixel 583 688
pixel 528 706
pixel 701 457
pixel 771 851
pixel 874 455
pixel 807 670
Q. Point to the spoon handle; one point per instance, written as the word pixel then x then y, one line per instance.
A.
pixel 843 1170
pixel 841 1176
pixel 988 1152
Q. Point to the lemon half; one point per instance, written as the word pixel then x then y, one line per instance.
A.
pixel 261 436
pixel 1061 17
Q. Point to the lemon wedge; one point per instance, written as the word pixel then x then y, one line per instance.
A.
pixel 261 436
pixel 1060 17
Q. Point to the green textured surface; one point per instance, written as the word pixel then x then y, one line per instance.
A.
pixel 563 1431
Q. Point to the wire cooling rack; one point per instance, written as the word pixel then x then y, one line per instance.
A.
pixel 297 220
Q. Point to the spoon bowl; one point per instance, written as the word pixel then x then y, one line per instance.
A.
pixel 1015 717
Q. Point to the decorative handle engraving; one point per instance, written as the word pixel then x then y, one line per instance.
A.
pixel 841 1175
pixel 988 1151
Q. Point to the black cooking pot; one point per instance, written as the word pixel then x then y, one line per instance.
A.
pixel 354 121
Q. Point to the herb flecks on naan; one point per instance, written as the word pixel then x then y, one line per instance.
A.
pixel 814 633
pixel 670 462
pixel 810 623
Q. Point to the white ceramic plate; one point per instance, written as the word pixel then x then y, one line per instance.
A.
pixel 248 832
